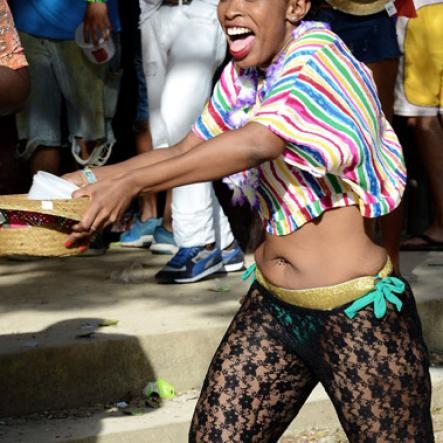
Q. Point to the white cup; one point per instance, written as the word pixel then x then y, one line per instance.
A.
pixel 46 186
pixel 100 53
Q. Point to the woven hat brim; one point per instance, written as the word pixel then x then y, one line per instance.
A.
pixel 71 209
pixel 34 241
pixel 358 8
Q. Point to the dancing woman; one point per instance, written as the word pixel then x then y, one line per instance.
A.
pixel 295 125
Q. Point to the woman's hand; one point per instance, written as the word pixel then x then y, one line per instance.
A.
pixel 77 178
pixel 96 23
pixel 109 200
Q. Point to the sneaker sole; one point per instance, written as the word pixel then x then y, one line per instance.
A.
pixel 164 280
pixel 212 270
pixel 233 267
pixel 139 243
pixel 163 249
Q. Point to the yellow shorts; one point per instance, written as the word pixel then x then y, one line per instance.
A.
pixel 419 89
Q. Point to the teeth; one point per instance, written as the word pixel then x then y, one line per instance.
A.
pixel 238 31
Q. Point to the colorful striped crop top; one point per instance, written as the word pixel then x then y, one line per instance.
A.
pixel 340 149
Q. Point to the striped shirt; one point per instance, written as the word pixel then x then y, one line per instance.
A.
pixel 340 149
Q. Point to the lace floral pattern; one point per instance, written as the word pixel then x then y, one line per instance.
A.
pixel 273 354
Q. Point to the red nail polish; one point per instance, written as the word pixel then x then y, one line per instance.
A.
pixel 82 248
pixel 68 244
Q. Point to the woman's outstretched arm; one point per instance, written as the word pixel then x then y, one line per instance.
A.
pixel 223 155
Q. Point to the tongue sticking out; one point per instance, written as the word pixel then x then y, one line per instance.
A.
pixel 240 48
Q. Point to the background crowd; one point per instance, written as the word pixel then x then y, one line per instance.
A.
pixel 79 113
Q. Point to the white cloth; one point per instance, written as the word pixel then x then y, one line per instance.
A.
pixel 148 7
pixel 182 48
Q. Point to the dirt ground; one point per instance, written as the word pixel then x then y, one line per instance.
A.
pixel 323 435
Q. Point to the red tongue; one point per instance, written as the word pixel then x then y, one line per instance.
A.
pixel 241 48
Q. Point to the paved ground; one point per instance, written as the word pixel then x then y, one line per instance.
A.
pixel 62 426
pixel 46 295
pixel 319 435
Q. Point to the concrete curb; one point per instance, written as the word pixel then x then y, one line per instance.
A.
pixel 103 369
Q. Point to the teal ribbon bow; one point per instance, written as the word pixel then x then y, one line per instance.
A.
pixel 250 272
pixel 384 292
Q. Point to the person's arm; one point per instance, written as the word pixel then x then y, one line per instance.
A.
pixel 223 155
pixel 96 22
pixel 228 153
pixel 138 161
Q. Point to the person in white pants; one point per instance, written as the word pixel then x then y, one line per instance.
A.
pixel 182 45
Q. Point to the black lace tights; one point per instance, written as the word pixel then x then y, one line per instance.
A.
pixel 273 354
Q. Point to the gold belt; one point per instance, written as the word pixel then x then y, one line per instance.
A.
pixel 326 298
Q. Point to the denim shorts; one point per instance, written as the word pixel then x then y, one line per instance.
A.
pixel 371 38
pixel 63 77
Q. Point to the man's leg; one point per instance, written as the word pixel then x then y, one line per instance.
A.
pixel 90 92
pixel 197 50
pixel 14 89
pixel 420 97
pixel 157 34
pixel 429 137
pixel 38 124
pixel 141 232
pixel 143 143
pixel 385 74
pixel 46 158
pixel 186 90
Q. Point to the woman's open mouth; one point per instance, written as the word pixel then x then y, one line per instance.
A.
pixel 240 40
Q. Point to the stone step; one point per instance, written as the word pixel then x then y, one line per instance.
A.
pixel 54 354
pixel 169 424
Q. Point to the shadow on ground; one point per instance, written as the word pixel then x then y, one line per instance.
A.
pixel 97 367
pixel 64 284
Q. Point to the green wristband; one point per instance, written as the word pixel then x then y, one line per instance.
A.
pixel 90 176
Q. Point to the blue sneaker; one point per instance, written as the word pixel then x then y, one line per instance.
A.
pixel 233 259
pixel 140 234
pixel 163 242
pixel 190 265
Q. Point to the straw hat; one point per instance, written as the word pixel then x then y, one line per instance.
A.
pixel 358 7
pixel 39 240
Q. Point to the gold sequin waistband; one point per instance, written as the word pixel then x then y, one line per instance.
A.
pixel 326 298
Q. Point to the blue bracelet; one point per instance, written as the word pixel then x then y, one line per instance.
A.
pixel 90 176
